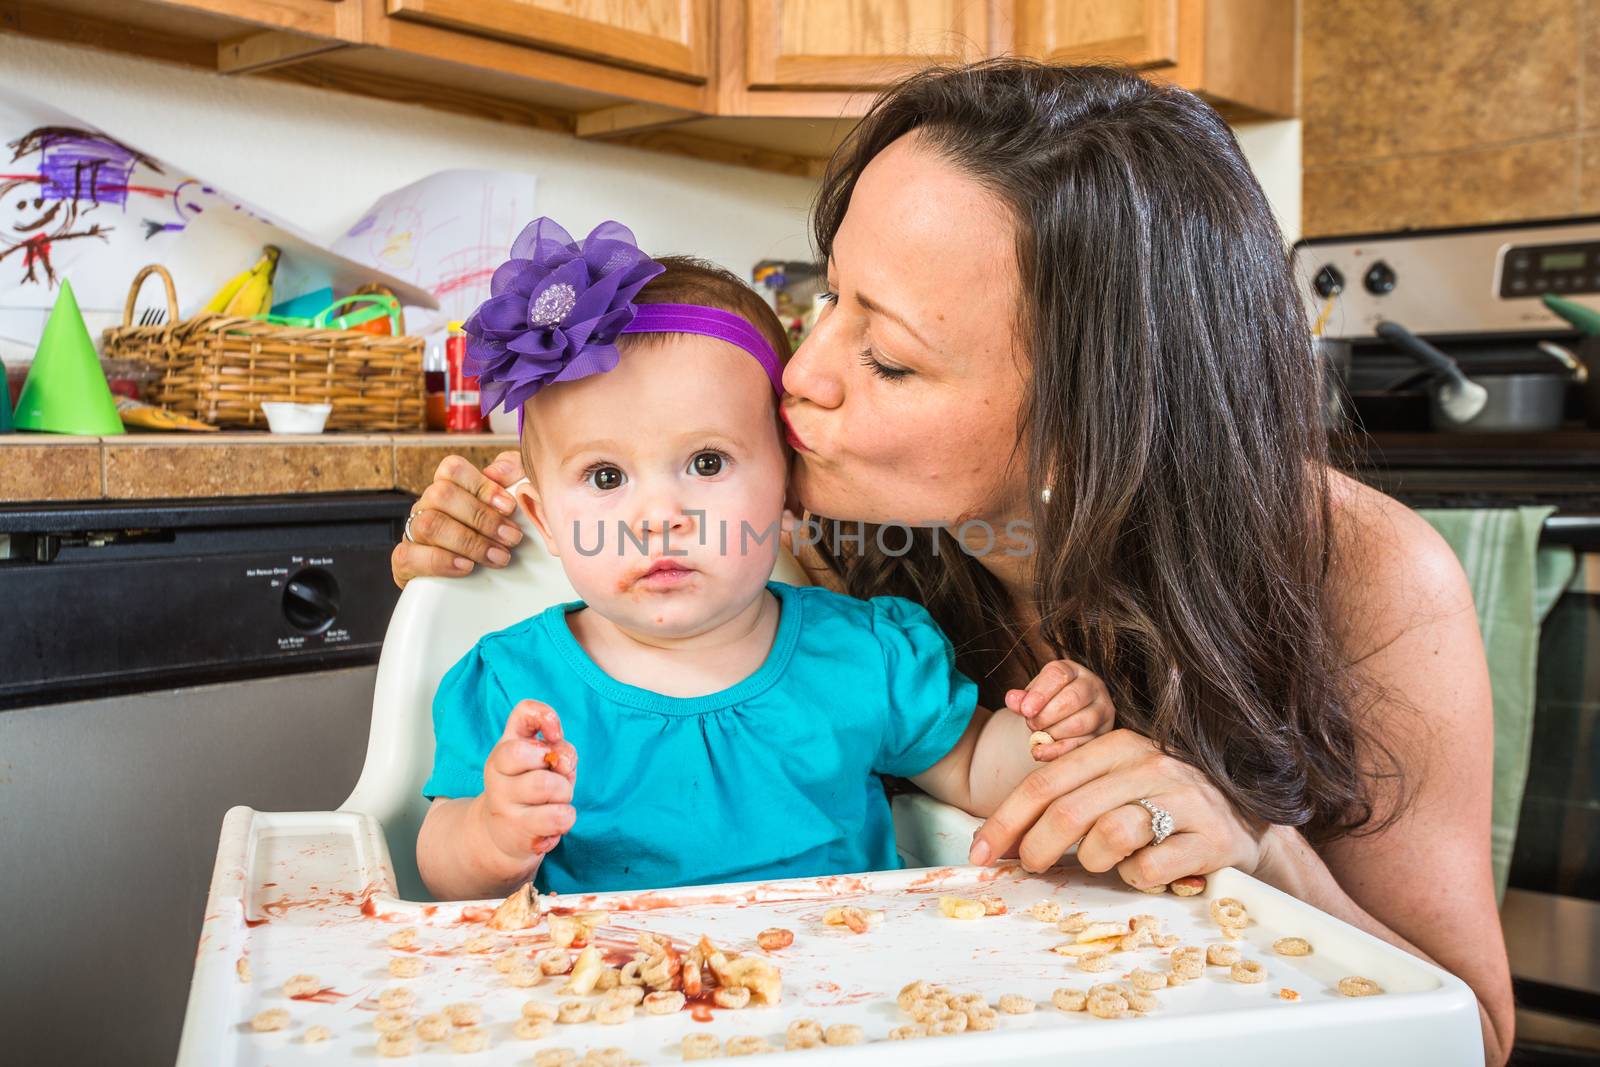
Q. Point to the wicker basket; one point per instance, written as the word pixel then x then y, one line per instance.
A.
pixel 220 368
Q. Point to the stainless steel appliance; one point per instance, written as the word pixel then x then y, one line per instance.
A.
pixel 1475 294
pixel 160 663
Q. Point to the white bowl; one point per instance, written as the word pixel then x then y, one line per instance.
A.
pixel 296 418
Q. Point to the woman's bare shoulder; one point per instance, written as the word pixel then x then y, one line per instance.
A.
pixel 1390 571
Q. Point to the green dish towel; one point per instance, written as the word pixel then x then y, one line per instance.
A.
pixel 1514 584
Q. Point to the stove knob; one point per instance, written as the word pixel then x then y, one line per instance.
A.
pixel 1379 278
pixel 1329 280
pixel 311 600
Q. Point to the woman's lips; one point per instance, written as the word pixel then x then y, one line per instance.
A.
pixel 793 438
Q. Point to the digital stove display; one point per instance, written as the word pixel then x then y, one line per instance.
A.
pixel 1530 271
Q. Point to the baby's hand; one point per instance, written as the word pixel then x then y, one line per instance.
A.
pixel 527 783
pixel 1069 702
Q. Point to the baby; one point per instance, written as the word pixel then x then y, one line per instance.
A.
pixel 733 728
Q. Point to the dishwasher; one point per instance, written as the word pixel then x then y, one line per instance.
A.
pixel 161 662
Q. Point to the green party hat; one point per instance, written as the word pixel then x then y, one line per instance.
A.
pixel 66 391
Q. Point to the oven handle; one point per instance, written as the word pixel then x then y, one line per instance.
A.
pixel 1582 532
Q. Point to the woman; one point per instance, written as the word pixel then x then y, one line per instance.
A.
pixel 1062 313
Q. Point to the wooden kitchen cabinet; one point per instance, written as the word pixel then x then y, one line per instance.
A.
pixel 1140 33
pixel 669 36
pixel 850 45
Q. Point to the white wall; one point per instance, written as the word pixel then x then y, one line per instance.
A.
pixel 1273 149
pixel 319 158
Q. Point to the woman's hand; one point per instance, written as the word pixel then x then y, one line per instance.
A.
pixel 461 520
pixel 1091 796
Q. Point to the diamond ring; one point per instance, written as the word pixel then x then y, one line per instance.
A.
pixel 409 517
pixel 1160 821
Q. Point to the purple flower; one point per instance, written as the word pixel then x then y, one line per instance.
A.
pixel 555 310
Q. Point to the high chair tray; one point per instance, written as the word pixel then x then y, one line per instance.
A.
pixel 313 893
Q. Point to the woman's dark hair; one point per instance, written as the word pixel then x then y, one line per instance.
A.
pixel 1173 410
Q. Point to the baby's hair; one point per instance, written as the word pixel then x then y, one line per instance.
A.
pixel 688 280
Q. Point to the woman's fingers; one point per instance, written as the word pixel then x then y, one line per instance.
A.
pixel 449 517
pixel 1114 837
pixel 410 561
pixel 1069 818
pixel 1017 813
pixel 1177 857
pixel 505 471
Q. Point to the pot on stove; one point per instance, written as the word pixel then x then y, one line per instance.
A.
pixel 1511 402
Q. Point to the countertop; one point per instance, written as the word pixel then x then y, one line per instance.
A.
pixel 49 467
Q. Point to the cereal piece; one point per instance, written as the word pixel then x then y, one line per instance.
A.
pixel 461 1014
pixel 1228 912
pixel 960 908
pixel 471 1039
pixel 909 1032
pixel 302 985
pixel 314 1034
pixel 1073 923
pixel 531 1029
pixel 1095 962
pixel 966 1002
pixel 1083 948
pixel 755 974
pixel 1069 999
pixel 1037 738
pixel 269 1020
pixel 911 992
pixel 518 911
pixel 433 1027
pixel 1155 890
pixel 1107 1006
pixel 524 978
pixel 538 1009
pixel 564 930
pixel 628 994
pixel 1292 946
pixel 573 1011
pixel 586 971
pixel 241 967
pixel 606 1057
pixel 565 1057
pixel 926 1008
pixel 1140 1001
pixel 1147 981
pixel 1164 940
pixel 1191 886
pixel 992 905
pixel 1046 911
pixel 846 1034
pixel 774 938
pixel 1230 932
pixel 1102 988
pixel 1102 932
pixel 507 961
pixel 1288 994
pixel 1222 955
pixel 1134 941
pixel 610 978
pixel 946 1023
pixel 395 998
pixel 387 1022
pixel 610 1013
pixel 1174 980
pixel 802 1033
pixel 406 938
pixel 554 961
pixel 1356 986
pixel 663 1002
pixel 1188 962
pixel 1015 1004
pixel 747 1045
pixel 406 967
pixel 1148 923
pixel 1248 971
pixel 481 943
pixel 700 1047
pixel 981 1018
pixel 857 919
pixel 395 1045
pixel 730 997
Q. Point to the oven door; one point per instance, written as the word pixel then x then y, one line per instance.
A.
pixel 1551 913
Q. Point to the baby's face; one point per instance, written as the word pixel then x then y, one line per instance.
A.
pixel 661 484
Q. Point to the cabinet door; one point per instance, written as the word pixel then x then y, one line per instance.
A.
pixel 857 44
pixel 1140 33
pixel 670 36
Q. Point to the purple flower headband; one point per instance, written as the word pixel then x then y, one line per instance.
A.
pixel 557 308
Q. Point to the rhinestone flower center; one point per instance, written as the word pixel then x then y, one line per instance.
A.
pixel 552 305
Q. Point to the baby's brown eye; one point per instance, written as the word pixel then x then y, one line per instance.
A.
pixel 708 464
pixel 605 478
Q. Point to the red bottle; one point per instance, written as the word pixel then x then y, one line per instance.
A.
pixel 462 413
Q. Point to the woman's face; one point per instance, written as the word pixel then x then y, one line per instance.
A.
pixel 903 404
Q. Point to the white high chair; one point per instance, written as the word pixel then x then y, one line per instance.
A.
pixel 434 624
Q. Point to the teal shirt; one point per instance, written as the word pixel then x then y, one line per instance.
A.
pixel 775 777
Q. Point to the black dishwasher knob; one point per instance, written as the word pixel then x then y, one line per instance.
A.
pixel 1329 280
pixel 1379 278
pixel 311 600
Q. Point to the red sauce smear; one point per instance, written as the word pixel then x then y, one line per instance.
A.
pixel 430 909
pixel 699 1007
pixel 253 923
pixel 326 995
